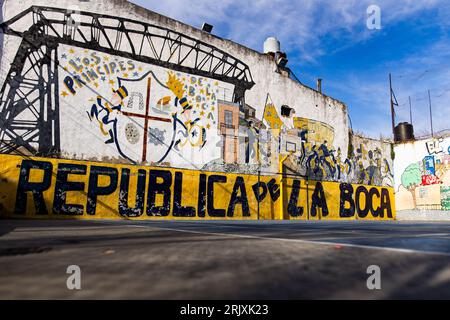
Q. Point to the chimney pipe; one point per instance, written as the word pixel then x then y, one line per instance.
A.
pixel 319 85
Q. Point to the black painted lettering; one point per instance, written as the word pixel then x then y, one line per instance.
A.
pixel 274 189
pixel 239 187
pixel 95 190
pixel 346 197
pixel 385 203
pixel 374 192
pixel 178 209
pixel 202 196
pixel 319 201
pixel 124 208
pixel 292 208
pixel 36 188
pixel 260 191
pixel 63 185
pixel 155 188
pixel 68 81
pixel 362 212
pixel 212 211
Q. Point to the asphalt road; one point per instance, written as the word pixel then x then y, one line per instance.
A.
pixel 224 259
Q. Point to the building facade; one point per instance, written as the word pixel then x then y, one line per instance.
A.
pixel 422 180
pixel 110 82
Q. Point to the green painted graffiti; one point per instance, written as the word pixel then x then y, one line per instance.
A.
pixel 445 198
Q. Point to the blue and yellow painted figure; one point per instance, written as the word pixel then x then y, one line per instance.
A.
pixel 185 130
pixel 105 113
pixel 191 132
pixel 303 135
pixel 177 88
pixel 326 158
pixel 184 104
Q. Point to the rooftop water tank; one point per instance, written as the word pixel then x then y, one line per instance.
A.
pixel 404 131
pixel 271 45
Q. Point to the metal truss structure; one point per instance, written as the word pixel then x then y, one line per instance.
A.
pixel 29 105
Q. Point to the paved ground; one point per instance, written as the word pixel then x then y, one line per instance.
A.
pixel 224 260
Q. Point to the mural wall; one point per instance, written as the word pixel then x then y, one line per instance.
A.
pixel 43 188
pixel 315 157
pixel 154 93
pixel 130 91
pixel 136 113
pixel 423 174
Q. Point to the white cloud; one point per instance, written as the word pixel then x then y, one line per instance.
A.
pixel 299 24
pixel 307 27
pixel 412 76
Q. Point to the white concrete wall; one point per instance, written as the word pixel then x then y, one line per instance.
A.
pixel 372 161
pixel 422 174
pixel 83 114
pixel 422 215
pixel 368 161
pixel 306 102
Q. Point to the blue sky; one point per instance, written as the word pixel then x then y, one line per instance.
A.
pixel 329 39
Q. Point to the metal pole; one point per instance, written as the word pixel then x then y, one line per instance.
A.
pixel 259 170
pixel 410 111
pixel 307 197
pixel 281 160
pixel 431 115
pixel 392 106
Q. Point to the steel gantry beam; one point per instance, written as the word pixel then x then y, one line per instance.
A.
pixel 136 40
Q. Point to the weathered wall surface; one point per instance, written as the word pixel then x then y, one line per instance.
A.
pixel 371 161
pixel 307 103
pixel 367 161
pixel 107 81
pixel 133 112
pixel 41 188
pixel 422 179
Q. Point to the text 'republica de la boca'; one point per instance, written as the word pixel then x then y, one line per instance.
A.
pixel 40 187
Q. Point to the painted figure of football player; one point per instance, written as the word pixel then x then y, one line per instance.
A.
pixel 106 112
